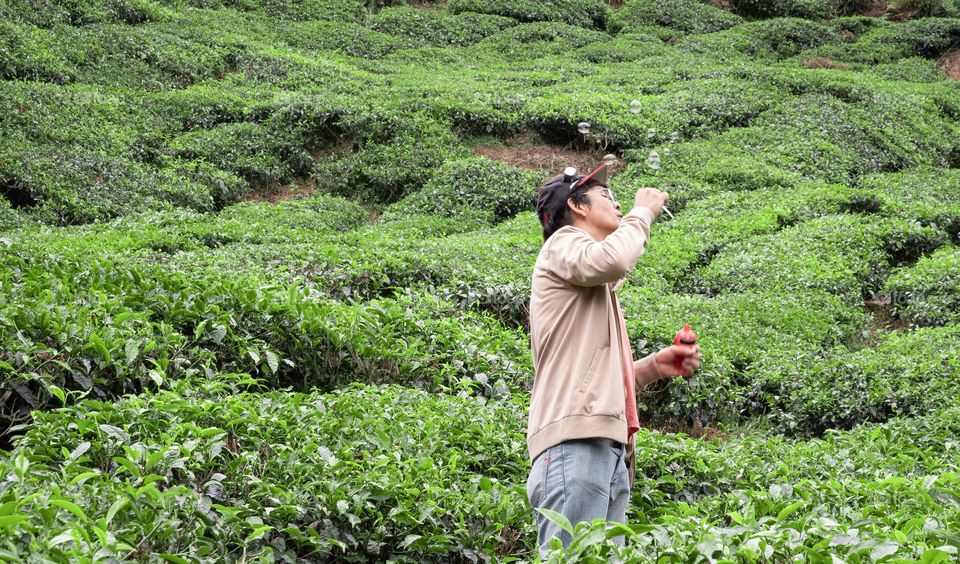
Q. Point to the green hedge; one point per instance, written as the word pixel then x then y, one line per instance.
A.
pixel 398 163
pixel 927 195
pixel 366 473
pixel 735 332
pixel 810 9
pixel 845 255
pixel 583 13
pixel 927 292
pixel 772 39
pixel 417 26
pixel 49 13
pixel 472 190
pixel 685 16
pixel 902 374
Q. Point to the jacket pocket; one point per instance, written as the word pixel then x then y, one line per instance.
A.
pixel 588 376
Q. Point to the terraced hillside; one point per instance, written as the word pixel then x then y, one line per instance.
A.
pixel 265 267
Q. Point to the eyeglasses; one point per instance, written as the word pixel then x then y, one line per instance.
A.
pixel 606 193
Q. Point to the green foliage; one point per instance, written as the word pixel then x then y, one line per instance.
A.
pixel 418 26
pixel 903 374
pixel 301 10
pixel 777 38
pixel 929 8
pixel 472 190
pixel 926 195
pixel 810 9
pixel 685 16
pixel 397 162
pixel 364 473
pixel 49 13
pixel 927 292
pixel 583 13
pixel 845 255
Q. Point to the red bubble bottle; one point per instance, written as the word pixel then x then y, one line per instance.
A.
pixel 685 336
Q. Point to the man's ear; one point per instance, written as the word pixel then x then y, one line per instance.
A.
pixel 577 211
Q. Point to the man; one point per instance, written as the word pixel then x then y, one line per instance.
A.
pixel 582 411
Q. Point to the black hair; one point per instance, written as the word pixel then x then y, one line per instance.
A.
pixel 552 206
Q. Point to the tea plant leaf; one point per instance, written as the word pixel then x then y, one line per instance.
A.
pixel 71 507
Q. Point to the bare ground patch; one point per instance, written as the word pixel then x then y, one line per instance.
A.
pixel 299 188
pixel 875 9
pixel 950 64
pixel 546 159
pixel 822 63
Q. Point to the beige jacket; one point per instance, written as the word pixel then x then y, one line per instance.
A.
pixel 578 389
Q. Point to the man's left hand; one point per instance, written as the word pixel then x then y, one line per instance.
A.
pixel 691 360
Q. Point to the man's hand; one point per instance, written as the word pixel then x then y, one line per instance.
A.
pixel 689 353
pixel 650 198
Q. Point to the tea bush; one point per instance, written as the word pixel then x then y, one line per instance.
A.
pixel 383 171
pixel 845 255
pixel 685 16
pixel 472 190
pixel 438 28
pixel 903 374
pixel 926 195
pixel 277 475
pixel 927 292
pixel 583 13
pixel 772 39
pixel 810 9
pixel 736 331
pixel 49 13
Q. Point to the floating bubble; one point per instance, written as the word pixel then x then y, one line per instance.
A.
pixel 651 133
pixel 583 127
pixel 675 136
pixel 653 161
pixel 636 106
pixel 666 151
pixel 609 160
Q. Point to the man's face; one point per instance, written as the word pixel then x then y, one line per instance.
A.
pixel 603 215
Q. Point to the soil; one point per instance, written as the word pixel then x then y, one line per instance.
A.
pixel 299 188
pixel 547 159
pixel 950 64
pixel 822 63
pixel 875 9
pixel 696 431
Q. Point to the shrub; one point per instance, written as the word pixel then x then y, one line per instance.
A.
pixel 345 37
pixel 735 331
pixel 928 8
pixel 582 13
pixel 904 374
pixel 844 255
pixel 927 292
pixel 331 481
pixel 301 10
pixel 438 28
pixel 261 156
pixel 472 190
pixel 385 171
pixel 685 16
pixel 769 39
pixel 31 53
pixel 810 9
pixel 49 13
pixel 626 47
pixel 926 195
pixel 539 39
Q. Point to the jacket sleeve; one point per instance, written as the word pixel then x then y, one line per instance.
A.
pixel 581 261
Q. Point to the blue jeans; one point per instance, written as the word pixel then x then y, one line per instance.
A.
pixel 583 480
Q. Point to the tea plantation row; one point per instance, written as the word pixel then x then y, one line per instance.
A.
pixel 189 376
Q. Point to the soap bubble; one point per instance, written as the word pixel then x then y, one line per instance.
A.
pixel 609 160
pixel 653 161
pixel 666 151
pixel 583 127
pixel 636 106
pixel 651 133
pixel 675 136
